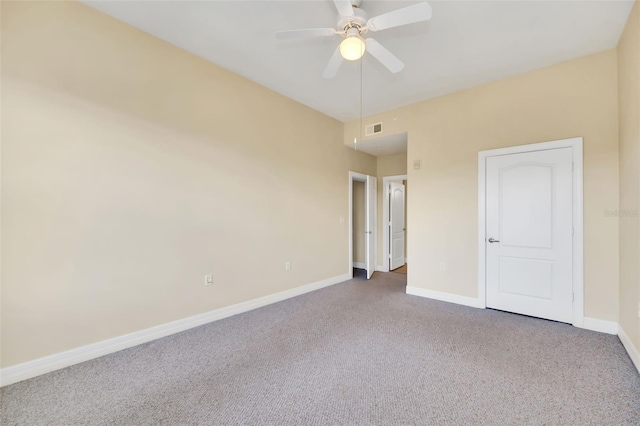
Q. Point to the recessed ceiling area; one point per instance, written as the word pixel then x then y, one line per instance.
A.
pixel 465 44
pixel 383 145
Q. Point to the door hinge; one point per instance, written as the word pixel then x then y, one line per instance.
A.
pixel 389 223
pixel 389 255
pixel 573 297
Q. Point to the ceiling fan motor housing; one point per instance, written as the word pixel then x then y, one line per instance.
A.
pixel 359 19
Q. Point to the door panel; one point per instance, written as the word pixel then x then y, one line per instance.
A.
pixel 397 227
pixel 529 215
pixel 371 216
pixel 526 224
pixel 526 277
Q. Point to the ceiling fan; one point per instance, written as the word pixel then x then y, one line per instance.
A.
pixel 352 24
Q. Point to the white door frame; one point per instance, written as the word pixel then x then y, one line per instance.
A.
pixel 386 184
pixel 353 177
pixel 578 238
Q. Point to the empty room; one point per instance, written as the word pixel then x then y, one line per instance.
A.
pixel 319 212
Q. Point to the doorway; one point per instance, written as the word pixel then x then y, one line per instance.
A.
pixel 530 230
pixel 368 223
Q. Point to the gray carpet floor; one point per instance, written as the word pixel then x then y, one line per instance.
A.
pixel 355 353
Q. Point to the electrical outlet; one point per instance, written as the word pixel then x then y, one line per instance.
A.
pixel 443 266
pixel 342 221
pixel 208 279
pixel 287 266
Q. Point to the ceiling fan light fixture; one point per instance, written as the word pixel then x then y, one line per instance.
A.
pixel 352 48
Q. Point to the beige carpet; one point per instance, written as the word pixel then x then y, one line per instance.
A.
pixel 357 353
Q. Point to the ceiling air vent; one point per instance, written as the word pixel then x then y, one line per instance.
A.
pixel 373 129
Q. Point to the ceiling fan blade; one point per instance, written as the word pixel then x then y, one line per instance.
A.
pixel 307 33
pixel 344 7
pixel 406 15
pixel 385 57
pixel 334 64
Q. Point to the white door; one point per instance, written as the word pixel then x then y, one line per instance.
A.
pixel 529 233
pixel 371 215
pixel 396 225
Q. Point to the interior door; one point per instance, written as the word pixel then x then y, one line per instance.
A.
pixel 371 216
pixel 396 225
pixel 529 233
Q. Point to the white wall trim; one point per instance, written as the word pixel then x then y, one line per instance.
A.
pixel 386 182
pixel 633 352
pixel 482 229
pixel 602 326
pixel 60 360
pixel 371 220
pixel 381 268
pixel 353 177
pixel 359 265
pixel 578 240
pixel 445 297
pixel 359 177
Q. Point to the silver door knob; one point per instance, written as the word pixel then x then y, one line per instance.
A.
pixel 491 240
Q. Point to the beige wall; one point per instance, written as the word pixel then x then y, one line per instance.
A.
pixel 629 111
pixel 358 222
pixel 575 98
pixel 387 165
pixel 131 168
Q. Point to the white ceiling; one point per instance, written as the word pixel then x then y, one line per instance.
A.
pixel 383 145
pixel 465 44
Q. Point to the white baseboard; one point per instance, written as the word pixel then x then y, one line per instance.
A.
pixel 633 352
pixel 60 360
pixel 359 265
pixel 602 326
pixel 445 297
pixel 593 324
pixel 383 268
